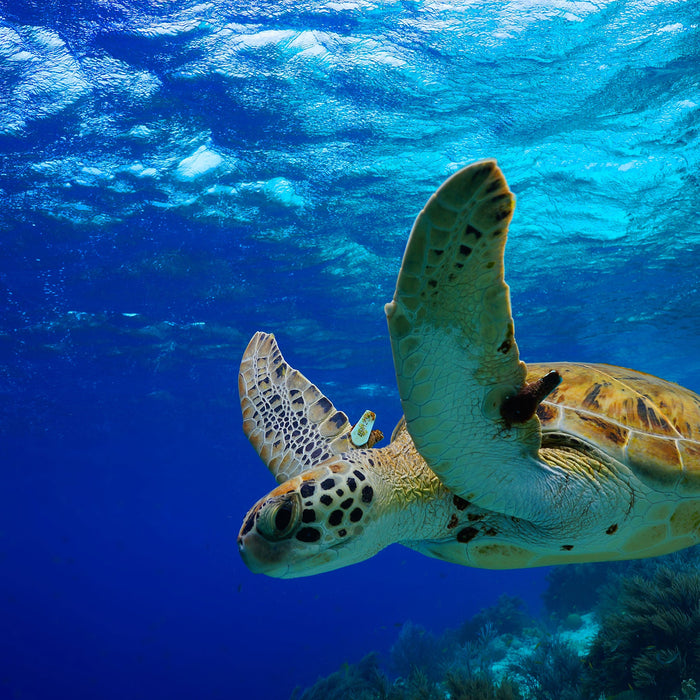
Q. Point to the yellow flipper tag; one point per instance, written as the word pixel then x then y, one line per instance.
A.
pixel 361 432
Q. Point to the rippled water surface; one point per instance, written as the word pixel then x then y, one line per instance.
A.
pixel 175 176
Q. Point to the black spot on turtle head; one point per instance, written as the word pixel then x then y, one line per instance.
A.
pixel 352 484
pixel 471 231
pixel 342 532
pixel 355 515
pixel 464 250
pixel 367 494
pixel 308 534
pixel 359 474
pixel 308 516
pixel 346 503
pixel 336 517
pixel 567 547
pixel 326 499
pixel 459 502
pixel 432 284
pixel 612 529
pixel 327 484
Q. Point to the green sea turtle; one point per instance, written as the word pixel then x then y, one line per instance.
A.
pixel 494 464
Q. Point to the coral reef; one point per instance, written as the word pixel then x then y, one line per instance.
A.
pixel 480 687
pixel 507 616
pixel 639 638
pixel 552 672
pixel 361 681
pixel 649 638
pixel 432 667
pixel 578 587
pixel 418 649
pixel 689 691
pixel 417 687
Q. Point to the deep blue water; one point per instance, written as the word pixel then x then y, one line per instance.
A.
pixel 176 176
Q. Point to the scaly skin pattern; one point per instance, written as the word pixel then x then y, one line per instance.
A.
pixel 343 511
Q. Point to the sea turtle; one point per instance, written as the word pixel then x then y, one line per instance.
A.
pixel 494 464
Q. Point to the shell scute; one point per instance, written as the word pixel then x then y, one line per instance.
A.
pixel 650 425
pixel 598 429
pixel 548 414
pixel 655 460
pixel 690 456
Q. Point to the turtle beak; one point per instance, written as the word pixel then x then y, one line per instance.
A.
pixel 263 557
pixel 277 559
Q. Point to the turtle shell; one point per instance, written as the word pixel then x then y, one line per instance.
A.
pixel 648 424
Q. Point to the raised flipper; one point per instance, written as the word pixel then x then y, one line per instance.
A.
pixel 461 382
pixel 288 420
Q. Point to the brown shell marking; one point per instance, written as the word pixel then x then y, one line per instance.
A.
pixel 651 425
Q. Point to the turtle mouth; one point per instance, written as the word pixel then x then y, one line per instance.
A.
pixel 281 560
pixel 263 558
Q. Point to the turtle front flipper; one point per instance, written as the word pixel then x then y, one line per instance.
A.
pixel 288 420
pixel 456 360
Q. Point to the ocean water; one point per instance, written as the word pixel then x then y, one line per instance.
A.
pixel 175 176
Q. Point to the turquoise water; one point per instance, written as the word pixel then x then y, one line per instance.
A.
pixel 177 176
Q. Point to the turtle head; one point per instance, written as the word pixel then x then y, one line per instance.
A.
pixel 320 520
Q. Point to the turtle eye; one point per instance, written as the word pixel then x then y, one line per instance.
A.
pixel 279 517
